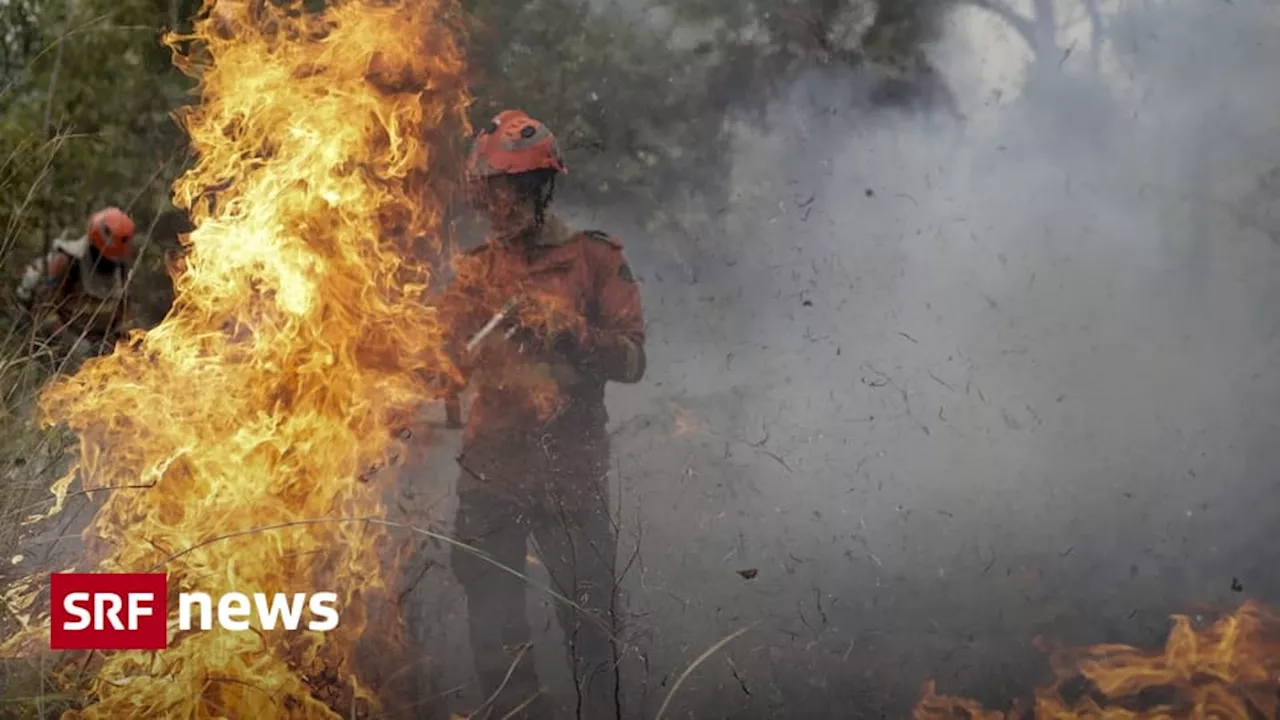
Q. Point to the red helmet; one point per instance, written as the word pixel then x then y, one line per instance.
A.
pixel 111 232
pixel 513 143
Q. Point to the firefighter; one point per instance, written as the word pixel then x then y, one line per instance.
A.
pixel 77 291
pixel 535 451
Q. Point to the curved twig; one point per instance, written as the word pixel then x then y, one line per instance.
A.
pixel 694 666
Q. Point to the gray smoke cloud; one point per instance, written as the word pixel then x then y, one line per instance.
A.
pixel 947 384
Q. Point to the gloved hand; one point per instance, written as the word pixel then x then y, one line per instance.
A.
pixel 561 349
pixel 537 347
pixel 565 344
pixel 546 327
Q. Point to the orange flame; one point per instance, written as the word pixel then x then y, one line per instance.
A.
pixel 1228 670
pixel 684 421
pixel 292 346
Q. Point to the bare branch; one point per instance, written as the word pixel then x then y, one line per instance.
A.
pixel 1023 26
pixel 1097 29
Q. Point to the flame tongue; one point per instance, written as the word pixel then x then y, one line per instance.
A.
pixel 270 386
pixel 1230 669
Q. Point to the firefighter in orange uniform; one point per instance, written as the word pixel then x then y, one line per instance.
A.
pixel 77 291
pixel 535 451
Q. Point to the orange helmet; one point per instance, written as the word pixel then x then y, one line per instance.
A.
pixel 513 143
pixel 111 232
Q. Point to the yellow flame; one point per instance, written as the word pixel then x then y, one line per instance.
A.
pixel 292 345
pixel 684 421
pixel 1230 670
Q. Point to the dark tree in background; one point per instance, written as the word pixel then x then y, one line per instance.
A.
pixel 642 103
pixel 641 93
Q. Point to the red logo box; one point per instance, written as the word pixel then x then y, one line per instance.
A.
pixel 109 611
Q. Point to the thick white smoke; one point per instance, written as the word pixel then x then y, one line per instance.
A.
pixel 960 383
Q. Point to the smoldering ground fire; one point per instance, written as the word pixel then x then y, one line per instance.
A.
pixel 1230 669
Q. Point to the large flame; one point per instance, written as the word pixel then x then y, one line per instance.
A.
pixel 294 345
pixel 1230 671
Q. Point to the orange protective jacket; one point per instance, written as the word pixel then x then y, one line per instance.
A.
pixel 509 442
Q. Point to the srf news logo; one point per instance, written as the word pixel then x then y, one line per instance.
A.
pixel 130 611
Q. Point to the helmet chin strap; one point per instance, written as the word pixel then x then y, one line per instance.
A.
pixel 541 199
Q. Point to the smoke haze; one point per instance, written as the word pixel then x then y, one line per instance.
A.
pixel 949 382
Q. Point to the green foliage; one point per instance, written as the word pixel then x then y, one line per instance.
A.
pixel 763 46
pixel 86 97
pixel 87 124
pixel 628 107
pixel 642 105
pixel 93 103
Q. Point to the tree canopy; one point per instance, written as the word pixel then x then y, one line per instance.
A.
pixel 639 93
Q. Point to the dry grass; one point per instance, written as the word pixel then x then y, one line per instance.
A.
pixel 31 457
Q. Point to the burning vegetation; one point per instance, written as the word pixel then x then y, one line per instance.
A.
pixel 1229 670
pixel 231 445
pixel 228 442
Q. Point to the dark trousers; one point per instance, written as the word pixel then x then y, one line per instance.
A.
pixel 577 547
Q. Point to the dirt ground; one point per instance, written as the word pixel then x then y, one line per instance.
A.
pixel 848 616
pixel 853 604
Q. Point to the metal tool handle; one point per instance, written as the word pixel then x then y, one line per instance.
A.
pixel 492 325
